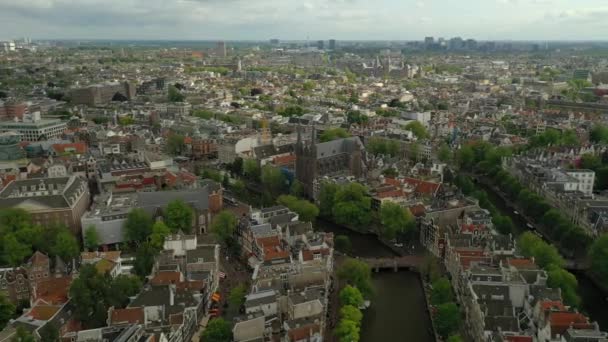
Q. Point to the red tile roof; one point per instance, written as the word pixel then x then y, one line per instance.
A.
pixel 303 333
pixel 273 255
pixel 552 305
pixel 418 210
pixel 269 242
pixel 392 181
pixel 43 312
pixel 522 263
pixel 284 160
pixel 166 278
pixel 390 193
pixel 54 290
pixel 128 315
pixel 423 187
pixel 470 228
pixel 561 321
pixel 79 148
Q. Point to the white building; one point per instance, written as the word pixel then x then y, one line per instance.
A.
pixel 586 179
pixel 33 128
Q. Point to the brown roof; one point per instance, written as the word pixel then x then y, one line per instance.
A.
pixel 303 333
pixel 110 255
pixel 128 315
pixel 43 312
pixel 39 259
pixel 54 290
pixel 166 278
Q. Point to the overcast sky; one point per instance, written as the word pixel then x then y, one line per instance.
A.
pixel 302 19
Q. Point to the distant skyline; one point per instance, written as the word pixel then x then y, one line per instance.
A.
pixel 299 20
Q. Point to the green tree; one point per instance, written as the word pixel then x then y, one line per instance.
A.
pixel 251 169
pixel 342 243
pixel 7 309
pixel 391 172
pixel 454 338
pixel 203 114
pixel 22 335
pixel 66 246
pixel 218 330
pixel 444 154
pixel 347 331
pixel 179 216
pixel 327 197
pixel 599 134
pixel 350 295
pixel 395 220
pixel 49 333
pixel 447 319
pixel 236 298
pixel 356 117
pixel 14 219
pixel 566 281
pixel 144 260
pixel 442 292
pixel 333 134
pixel 89 294
pixel 352 206
pixel 224 225
pixel 14 252
pixel 226 181
pixel 175 95
pixel 591 162
pixel 121 288
pixel 306 211
pixel 417 129
pixel 351 313
pixel 159 232
pixel 91 238
pixel 598 254
pixel 138 225
pixel 296 189
pixel 544 254
pixel 357 274
pixel 465 157
pixel 503 224
pixel 273 180
pixel 176 144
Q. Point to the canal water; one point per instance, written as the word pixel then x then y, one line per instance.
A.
pixel 398 310
pixel 594 302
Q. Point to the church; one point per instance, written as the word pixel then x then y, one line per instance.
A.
pixel 340 157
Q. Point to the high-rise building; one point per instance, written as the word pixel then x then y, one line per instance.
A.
pixel 332 44
pixel 221 49
pixel 320 45
pixel 429 41
pixel 274 41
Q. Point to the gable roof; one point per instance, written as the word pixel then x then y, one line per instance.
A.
pixel 134 315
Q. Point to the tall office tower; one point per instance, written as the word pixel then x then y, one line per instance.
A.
pixel 320 44
pixel 221 49
pixel 332 44
pixel 274 41
pixel 429 41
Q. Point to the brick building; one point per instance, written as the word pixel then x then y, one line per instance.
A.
pixel 62 200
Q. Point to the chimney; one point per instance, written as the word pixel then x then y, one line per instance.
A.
pixel 172 289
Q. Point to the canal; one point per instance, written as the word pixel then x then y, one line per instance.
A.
pixel 594 302
pixel 398 310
